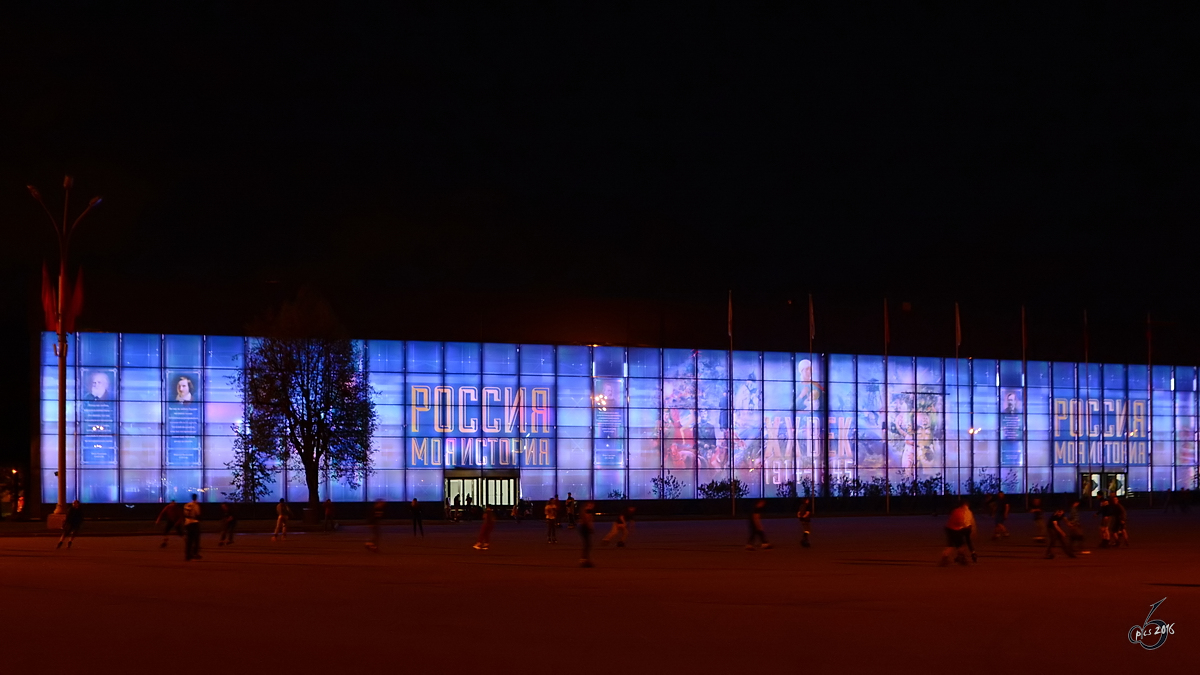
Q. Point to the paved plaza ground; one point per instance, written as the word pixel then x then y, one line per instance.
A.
pixel 684 596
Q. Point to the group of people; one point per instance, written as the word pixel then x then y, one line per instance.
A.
pixel 1063 530
pixel 758 534
pixel 583 520
pixel 184 521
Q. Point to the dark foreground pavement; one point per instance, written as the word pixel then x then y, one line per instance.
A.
pixel 682 597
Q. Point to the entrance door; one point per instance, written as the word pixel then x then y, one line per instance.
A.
pixel 1098 483
pixel 499 491
pixel 460 488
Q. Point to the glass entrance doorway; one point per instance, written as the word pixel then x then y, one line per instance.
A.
pixel 1106 483
pixel 484 491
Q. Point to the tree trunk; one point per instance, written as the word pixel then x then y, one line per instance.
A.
pixel 312 477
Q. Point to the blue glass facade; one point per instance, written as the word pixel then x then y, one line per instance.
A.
pixel 152 417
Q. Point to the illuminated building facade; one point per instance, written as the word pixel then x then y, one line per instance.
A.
pixel 152 417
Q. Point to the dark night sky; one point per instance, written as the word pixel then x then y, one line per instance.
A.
pixel 582 172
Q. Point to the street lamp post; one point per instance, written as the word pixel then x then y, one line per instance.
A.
pixel 62 316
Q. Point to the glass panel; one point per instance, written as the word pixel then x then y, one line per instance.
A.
pixel 218 451
pixel 645 393
pixel 1010 374
pixel 140 350
pixel 500 359
pixel 983 372
pixel 141 384
pixel 181 484
pixel 900 370
pixel 608 361
pixel 537 485
pixel 184 351
pixel 98 486
pixel 575 483
pixel 642 484
pixel 1037 374
pixel 537 359
pixel 386 356
pixel 463 357
pixel 219 385
pixel 712 364
pixel 141 452
pixel 777 395
pixel 225 352
pixel 424 357
pixel 388 485
pixel 341 492
pixel 575 392
pixel 96 349
pixel 140 486
pixel 644 362
pixel 574 360
pixel 609 484
pixel 746 367
pixel 679 363
pixel 841 368
pixel 778 365
pixel 388 388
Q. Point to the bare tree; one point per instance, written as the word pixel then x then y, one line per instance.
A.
pixel 308 404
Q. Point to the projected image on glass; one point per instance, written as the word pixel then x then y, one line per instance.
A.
pixel 98 417
pixel 152 417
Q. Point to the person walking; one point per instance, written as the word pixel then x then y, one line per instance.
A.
pixel 1000 504
pixel 957 525
pixel 191 526
pixel 485 529
pixel 756 526
pixel 1057 532
pixel 228 523
pixel 375 520
pixel 282 514
pixel 172 514
pixel 587 522
pixel 1116 525
pixel 570 511
pixel 1039 521
pixel 1105 515
pixel 71 524
pixel 551 522
pixel 329 525
pixel 804 513
pixel 1075 528
pixel 620 528
pixel 416 518
pixel 969 531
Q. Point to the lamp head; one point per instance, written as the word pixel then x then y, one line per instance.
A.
pixel 34 193
pixel 68 182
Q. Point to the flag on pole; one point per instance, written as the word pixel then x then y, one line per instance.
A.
pixel 75 303
pixel 731 314
pixel 957 328
pixel 1149 340
pixel 1024 334
pixel 887 333
pixel 812 321
pixel 1085 337
pixel 49 302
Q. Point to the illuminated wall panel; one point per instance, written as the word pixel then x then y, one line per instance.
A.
pixel 152 418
